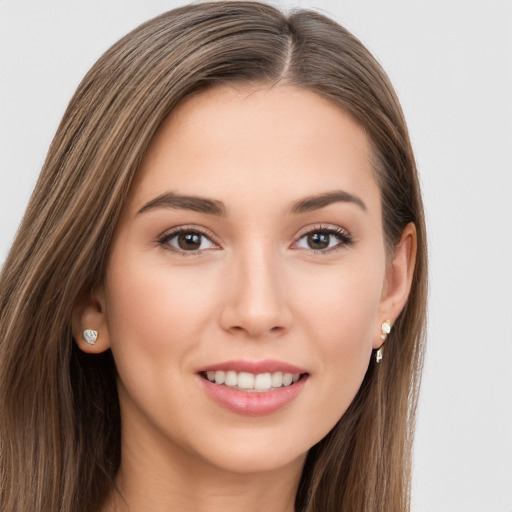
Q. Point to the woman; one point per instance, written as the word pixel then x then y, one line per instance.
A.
pixel 226 233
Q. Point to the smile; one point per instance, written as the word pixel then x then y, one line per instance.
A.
pixel 245 381
pixel 253 388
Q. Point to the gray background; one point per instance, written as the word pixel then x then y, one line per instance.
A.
pixel 451 63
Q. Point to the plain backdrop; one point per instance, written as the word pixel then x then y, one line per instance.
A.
pixel 451 64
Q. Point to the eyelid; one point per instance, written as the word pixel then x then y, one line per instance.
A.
pixel 345 236
pixel 334 228
pixel 187 228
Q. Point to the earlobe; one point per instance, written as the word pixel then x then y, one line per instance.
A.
pixel 89 323
pixel 399 277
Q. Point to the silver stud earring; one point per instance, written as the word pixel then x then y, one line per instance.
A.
pixel 90 336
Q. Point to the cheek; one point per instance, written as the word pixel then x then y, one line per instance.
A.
pixel 154 312
pixel 341 305
pixel 340 314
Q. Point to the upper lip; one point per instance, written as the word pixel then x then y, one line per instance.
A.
pixel 244 365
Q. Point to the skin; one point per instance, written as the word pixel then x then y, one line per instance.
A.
pixel 254 290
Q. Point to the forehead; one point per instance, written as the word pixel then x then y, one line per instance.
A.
pixel 243 142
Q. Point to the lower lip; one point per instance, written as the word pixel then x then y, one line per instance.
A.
pixel 253 403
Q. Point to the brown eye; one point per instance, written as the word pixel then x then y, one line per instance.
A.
pixel 187 241
pixel 318 241
pixel 324 240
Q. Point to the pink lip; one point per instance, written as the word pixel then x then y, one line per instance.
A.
pixel 253 403
pixel 265 366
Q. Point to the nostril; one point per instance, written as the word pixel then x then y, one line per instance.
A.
pixel 274 330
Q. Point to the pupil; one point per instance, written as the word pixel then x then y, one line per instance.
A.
pixel 318 240
pixel 189 241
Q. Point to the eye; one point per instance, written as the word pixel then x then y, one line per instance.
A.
pixel 187 240
pixel 324 239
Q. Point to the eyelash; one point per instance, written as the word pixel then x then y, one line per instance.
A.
pixel 166 237
pixel 343 236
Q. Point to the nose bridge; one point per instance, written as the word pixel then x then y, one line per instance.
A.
pixel 256 302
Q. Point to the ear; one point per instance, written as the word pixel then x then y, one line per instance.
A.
pixel 89 312
pixel 398 280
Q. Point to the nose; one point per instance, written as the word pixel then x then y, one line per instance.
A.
pixel 256 304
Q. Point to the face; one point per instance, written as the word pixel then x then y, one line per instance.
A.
pixel 246 283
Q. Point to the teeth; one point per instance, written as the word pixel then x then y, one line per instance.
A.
pixel 245 380
pixel 263 382
pixel 287 379
pixel 252 382
pixel 220 377
pixel 277 379
pixel 231 378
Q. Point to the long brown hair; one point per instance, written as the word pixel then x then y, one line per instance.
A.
pixel 59 419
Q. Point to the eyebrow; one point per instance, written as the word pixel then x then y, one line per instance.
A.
pixel 214 207
pixel 182 202
pixel 316 202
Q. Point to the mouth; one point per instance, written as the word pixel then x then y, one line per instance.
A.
pixel 253 388
pixel 252 382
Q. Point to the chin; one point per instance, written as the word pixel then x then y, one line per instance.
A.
pixel 256 459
